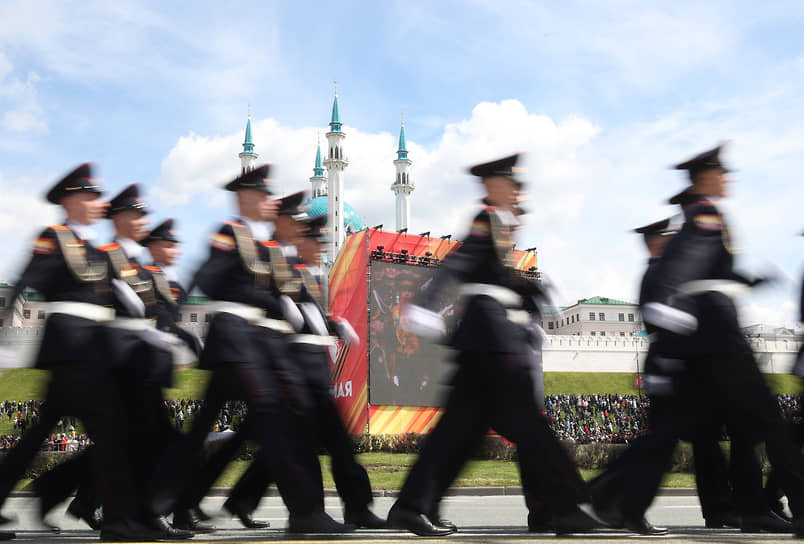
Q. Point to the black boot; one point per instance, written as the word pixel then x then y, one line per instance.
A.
pixel 769 523
pixel 245 516
pixel 189 520
pixel 642 526
pixel 316 522
pixel 90 516
pixel 166 531
pixel 577 521
pixel 364 518
pixel 402 518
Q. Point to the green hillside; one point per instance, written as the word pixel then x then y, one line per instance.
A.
pixel 26 383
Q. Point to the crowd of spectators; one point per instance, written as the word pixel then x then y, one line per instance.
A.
pixel 67 443
pixel 581 419
pixel 229 417
pixel 597 418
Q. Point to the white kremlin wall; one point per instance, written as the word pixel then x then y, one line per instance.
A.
pixel 562 353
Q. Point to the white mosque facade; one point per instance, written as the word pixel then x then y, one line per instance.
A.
pixel 328 181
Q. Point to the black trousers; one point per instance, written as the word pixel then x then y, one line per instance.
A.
pixel 493 390
pixel 269 406
pixel 144 419
pixel 537 498
pixel 86 391
pixel 720 371
pixel 326 429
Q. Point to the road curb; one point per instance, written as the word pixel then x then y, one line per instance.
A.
pixel 452 492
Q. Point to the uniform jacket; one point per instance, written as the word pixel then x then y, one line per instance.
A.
pixel 81 277
pixel 235 271
pixel 701 250
pixel 484 326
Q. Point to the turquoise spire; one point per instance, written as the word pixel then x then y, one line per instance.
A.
pixel 335 122
pixel 248 144
pixel 402 152
pixel 318 171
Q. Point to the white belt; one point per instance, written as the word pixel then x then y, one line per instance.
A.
pixel 503 295
pixel 244 311
pixel 254 315
pixel 313 339
pixel 520 317
pixel 86 310
pixel 729 288
pixel 132 323
pixel 278 325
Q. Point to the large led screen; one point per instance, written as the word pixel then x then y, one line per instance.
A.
pixel 404 370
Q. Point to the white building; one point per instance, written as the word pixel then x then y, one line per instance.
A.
pixel 596 316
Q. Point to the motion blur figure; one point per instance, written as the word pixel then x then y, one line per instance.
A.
pixel 246 350
pixel 696 322
pixel 493 386
pixel 80 352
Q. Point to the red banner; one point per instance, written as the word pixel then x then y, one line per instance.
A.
pixel 348 296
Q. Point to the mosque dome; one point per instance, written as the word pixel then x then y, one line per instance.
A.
pixel 352 222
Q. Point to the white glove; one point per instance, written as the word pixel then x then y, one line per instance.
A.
pixel 313 318
pixel 669 318
pixel 422 322
pixel 346 331
pixel 128 298
pixel 775 274
pixel 161 339
pixel 291 313
pixel 396 381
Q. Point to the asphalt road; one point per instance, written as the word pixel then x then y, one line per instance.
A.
pixel 480 519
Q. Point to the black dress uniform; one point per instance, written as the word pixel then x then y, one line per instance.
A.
pixel 309 351
pixel 492 387
pixel 77 349
pixel 773 491
pixel 698 323
pixel 148 414
pixel 141 368
pixel 170 295
pixel 245 349
pixel 625 490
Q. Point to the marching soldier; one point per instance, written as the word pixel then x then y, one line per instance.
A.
pixel 246 350
pixel 148 412
pixel 773 493
pixel 162 244
pixel 696 322
pixel 75 279
pixel 147 354
pixel 619 495
pixel 309 350
pixel 493 386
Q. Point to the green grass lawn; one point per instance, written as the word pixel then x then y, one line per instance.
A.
pixel 388 470
pixel 588 383
pixel 28 383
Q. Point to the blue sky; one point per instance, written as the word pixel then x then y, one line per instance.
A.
pixel 602 96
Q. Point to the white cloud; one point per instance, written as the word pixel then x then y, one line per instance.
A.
pixel 19 100
pixel 587 191
pixel 199 165
pixel 23 213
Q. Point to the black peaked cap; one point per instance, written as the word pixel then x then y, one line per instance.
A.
pixel 79 180
pixel 163 232
pixel 290 205
pixel 128 199
pixel 703 161
pixel 258 179
pixel 500 167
